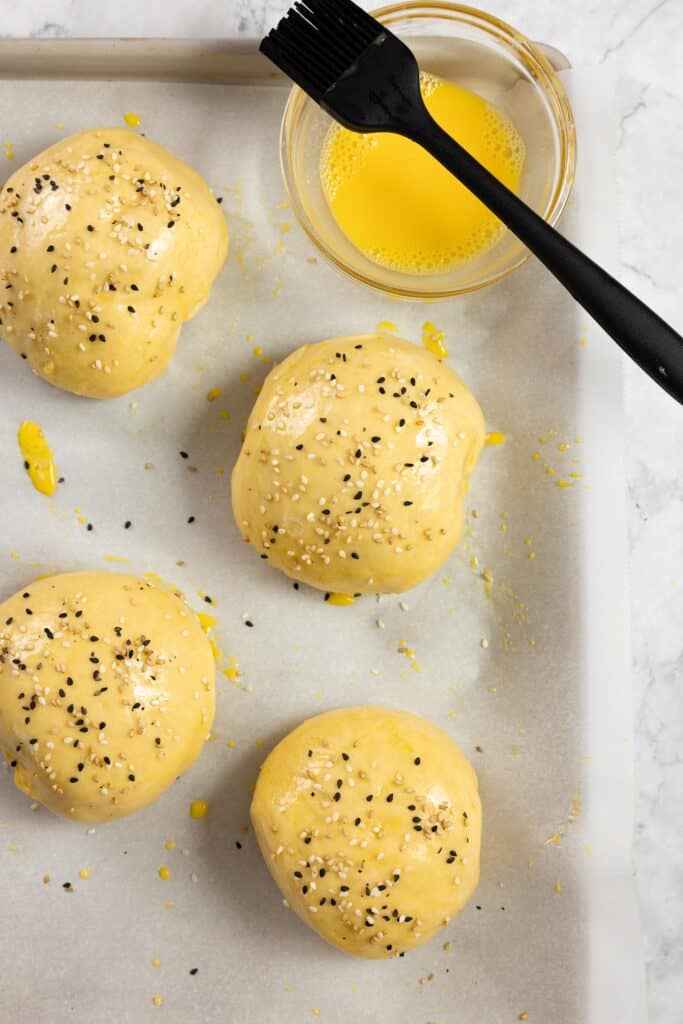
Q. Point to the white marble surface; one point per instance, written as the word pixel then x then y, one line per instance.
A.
pixel 641 40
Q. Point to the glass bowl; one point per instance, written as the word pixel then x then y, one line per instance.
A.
pixel 487 56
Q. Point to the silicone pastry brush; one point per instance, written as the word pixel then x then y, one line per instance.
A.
pixel 369 81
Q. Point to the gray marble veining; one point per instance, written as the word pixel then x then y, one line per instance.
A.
pixel 640 40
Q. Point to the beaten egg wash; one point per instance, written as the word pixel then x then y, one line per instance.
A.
pixel 399 206
pixel 38 460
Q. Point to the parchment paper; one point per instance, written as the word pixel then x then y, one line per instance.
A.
pixel 532 680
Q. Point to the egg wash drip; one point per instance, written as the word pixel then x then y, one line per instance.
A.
pixel 38 460
pixel 399 206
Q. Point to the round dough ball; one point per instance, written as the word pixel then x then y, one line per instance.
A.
pixel 355 463
pixel 370 823
pixel 106 692
pixel 107 244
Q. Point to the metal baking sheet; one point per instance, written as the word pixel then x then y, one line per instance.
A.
pixel 531 679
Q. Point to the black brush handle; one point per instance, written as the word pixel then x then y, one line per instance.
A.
pixel 653 344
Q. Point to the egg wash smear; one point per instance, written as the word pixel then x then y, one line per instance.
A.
pixel 399 206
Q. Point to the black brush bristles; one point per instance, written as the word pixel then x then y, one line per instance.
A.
pixel 318 40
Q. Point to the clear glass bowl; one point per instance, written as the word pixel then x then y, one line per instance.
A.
pixel 487 56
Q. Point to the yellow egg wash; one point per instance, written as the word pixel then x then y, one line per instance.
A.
pixel 434 340
pixel 199 809
pixel 206 621
pixel 38 459
pixel 399 206
pixel 340 600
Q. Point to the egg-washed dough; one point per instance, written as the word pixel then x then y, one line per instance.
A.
pixel 370 823
pixel 106 692
pixel 356 460
pixel 108 243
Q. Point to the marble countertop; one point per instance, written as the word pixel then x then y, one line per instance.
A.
pixel 640 40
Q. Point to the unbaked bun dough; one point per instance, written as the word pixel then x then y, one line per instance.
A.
pixel 107 244
pixel 355 463
pixel 106 692
pixel 370 823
